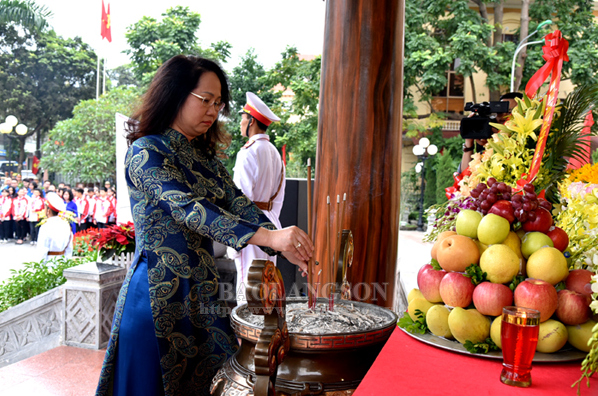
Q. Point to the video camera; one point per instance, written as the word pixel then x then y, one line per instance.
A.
pixel 478 126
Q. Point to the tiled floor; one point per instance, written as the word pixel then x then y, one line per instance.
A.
pixel 62 371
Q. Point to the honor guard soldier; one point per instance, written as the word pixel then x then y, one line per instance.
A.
pixel 55 237
pixel 259 172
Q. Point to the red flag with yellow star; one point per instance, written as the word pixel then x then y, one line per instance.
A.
pixel 105 31
pixel 35 166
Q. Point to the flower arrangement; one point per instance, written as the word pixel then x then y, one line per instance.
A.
pixel 114 240
pixel 510 152
pixel 83 244
pixel 578 216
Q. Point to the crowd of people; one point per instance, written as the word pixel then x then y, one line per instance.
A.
pixel 23 204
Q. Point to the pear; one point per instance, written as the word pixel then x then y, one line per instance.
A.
pixel 495 331
pixel 514 243
pixel 437 321
pixel 418 303
pixel 468 325
pixel 414 293
pixel 553 336
pixel 580 335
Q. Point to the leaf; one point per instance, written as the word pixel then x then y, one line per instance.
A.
pixel 475 273
pixel 418 326
pixel 482 347
pixel 517 279
pixel 436 265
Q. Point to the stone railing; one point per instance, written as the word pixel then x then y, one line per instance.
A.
pixel 79 313
pixel 31 327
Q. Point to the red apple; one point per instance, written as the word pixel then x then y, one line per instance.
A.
pixel 421 270
pixel 537 294
pixel 456 290
pixel 541 223
pixel 579 281
pixel 573 307
pixel 503 208
pixel 428 282
pixel 559 238
pixel 490 298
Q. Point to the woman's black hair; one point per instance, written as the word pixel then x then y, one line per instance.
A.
pixel 167 93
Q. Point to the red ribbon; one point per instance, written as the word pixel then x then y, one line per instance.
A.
pixel 450 191
pixel 555 52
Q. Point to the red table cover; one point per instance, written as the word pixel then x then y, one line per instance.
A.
pixel 407 366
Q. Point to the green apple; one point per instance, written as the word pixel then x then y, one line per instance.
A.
pixel 493 229
pixel 533 241
pixel 467 223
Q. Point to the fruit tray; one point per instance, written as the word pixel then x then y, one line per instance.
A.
pixel 567 354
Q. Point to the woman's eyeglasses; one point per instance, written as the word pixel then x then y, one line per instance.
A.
pixel 218 106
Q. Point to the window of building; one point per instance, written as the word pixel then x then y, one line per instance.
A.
pixel 451 97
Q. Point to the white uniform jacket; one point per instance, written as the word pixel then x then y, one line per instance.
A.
pixel 259 173
pixel 55 239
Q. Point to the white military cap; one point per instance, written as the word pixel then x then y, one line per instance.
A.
pixel 258 109
pixel 55 202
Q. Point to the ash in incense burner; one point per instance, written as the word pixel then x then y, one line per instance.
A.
pixel 346 318
pixel 330 352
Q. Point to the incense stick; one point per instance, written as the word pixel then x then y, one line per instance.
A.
pixel 342 218
pixel 310 264
pixel 328 239
pixel 317 285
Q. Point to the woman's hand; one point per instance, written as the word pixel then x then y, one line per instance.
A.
pixel 292 257
pixel 288 240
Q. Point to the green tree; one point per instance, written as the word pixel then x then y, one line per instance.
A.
pixel 575 19
pixel 25 13
pixel 153 42
pixel 42 77
pixel 122 76
pixel 299 126
pixel 439 32
pixel 82 148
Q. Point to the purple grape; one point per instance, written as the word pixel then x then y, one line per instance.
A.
pixel 484 195
pixel 531 196
pixel 474 193
pixel 490 181
pixel 529 188
pixel 527 206
pixel 546 205
pixel 531 216
pixel 524 217
pixel 502 187
pixel 506 196
pixel 485 205
pixel 517 198
pixel 516 205
pixel 492 198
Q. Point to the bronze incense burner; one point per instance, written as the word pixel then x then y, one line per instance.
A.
pixel 315 364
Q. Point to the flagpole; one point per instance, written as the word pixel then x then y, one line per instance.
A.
pixel 98 79
pixel 104 80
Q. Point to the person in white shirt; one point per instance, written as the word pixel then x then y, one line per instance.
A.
pixel 91 207
pixel 36 206
pixel 55 237
pixel 103 209
pixel 20 207
pixel 259 172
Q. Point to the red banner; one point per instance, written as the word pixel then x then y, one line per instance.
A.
pixel 106 23
pixel 35 165
pixel 555 52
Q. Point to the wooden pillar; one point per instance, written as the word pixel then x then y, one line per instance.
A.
pixel 359 138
